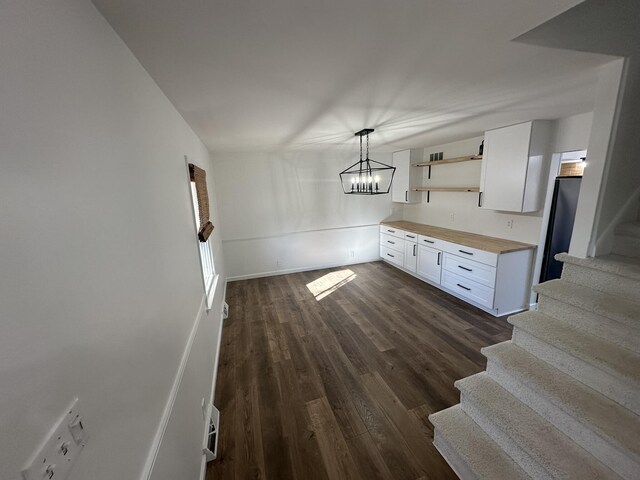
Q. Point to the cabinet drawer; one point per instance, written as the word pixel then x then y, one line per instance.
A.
pixel 470 269
pixel 393 243
pixel 469 253
pixel 394 232
pixel 411 237
pixel 392 256
pixel 481 294
pixel 429 242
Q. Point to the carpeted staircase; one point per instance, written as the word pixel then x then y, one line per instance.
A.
pixel 561 399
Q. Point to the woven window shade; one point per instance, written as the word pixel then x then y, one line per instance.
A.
pixel 199 176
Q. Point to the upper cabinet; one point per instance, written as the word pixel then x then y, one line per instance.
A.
pixel 513 167
pixel 407 177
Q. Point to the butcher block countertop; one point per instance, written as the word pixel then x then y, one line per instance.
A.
pixel 473 240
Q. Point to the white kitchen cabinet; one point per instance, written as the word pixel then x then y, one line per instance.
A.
pixel 429 263
pixel 514 164
pixel 407 177
pixel 410 254
pixel 491 273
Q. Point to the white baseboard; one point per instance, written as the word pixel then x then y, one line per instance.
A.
pixel 166 413
pixel 299 269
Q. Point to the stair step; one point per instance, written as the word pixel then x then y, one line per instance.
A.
pixel 613 274
pixel 604 366
pixel 631 229
pixel 626 246
pixel 469 451
pixel 536 445
pixel 612 318
pixel 596 423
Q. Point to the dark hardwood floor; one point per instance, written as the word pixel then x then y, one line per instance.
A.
pixel 331 374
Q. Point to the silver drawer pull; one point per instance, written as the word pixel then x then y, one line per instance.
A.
pixel 391 231
pixel 462 286
pixel 428 241
pixel 389 255
pixel 392 243
pixel 465 252
pixel 465 268
pixel 410 236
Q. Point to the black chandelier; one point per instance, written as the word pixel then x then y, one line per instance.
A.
pixel 367 177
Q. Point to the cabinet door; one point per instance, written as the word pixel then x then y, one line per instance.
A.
pixel 504 167
pixel 410 256
pixel 429 263
pixel 401 179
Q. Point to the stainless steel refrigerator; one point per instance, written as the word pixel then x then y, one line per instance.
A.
pixel 563 213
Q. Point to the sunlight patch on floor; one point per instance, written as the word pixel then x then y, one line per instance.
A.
pixel 329 283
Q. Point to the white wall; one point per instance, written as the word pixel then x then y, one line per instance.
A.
pixel 599 157
pixel 459 211
pixel 286 211
pixel 621 182
pixel 572 133
pixel 100 283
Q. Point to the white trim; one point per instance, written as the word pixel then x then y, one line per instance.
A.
pixel 217 359
pixel 300 269
pixel 166 414
pixel 211 292
pixel 300 232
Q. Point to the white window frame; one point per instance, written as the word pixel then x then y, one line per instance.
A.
pixel 207 266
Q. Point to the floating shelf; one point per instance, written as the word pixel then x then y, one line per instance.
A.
pixel 433 163
pixel 467 158
pixel 449 189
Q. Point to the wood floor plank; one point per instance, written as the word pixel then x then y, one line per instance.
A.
pixel 321 378
pixel 369 462
pixel 416 438
pixel 338 395
pixel 333 447
pixel 304 451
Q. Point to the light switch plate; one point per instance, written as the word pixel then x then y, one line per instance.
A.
pixel 61 447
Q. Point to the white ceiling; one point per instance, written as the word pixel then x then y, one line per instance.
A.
pixel 281 74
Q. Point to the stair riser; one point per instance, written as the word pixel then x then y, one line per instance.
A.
pixel 627 246
pixel 519 455
pixel 457 464
pixel 616 458
pixel 602 281
pixel 611 330
pixel 615 388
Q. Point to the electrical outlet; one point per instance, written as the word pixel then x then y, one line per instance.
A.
pixel 352 253
pixel 278 263
pixel 452 217
pixel 58 452
pixel 510 223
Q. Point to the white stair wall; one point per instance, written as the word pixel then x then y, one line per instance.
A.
pixel 561 400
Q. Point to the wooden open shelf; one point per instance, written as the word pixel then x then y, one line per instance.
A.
pixel 467 158
pixel 447 189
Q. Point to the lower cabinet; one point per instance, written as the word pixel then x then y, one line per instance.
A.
pixel 429 263
pixel 410 255
pixel 498 283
